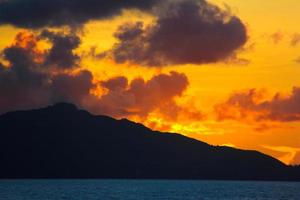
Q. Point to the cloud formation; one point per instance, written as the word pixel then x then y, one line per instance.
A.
pixel 140 98
pixel 186 32
pixel 72 88
pixel 30 81
pixel 61 53
pixel 54 13
pixel 35 77
pixel 249 105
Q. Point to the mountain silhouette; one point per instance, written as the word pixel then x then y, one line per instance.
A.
pixel 62 141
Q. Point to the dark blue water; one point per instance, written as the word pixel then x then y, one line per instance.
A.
pixel 146 189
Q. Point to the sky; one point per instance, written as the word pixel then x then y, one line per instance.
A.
pixel 225 72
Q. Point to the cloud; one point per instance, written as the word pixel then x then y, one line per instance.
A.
pixel 72 88
pixel 140 98
pixel 277 37
pixel 185 32
pixel 115 84
pixel 61 53
pixel 295 40
pixel 249 105
pixel 30 81
pixel 54 13
pixel 19 82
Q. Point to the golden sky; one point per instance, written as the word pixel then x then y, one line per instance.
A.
pixel 233 102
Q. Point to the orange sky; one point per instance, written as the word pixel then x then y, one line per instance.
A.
pixel 271 68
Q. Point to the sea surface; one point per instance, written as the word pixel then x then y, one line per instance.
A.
pixel 146 189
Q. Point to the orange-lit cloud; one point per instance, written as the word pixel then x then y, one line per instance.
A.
pixel 250 105
pixel 140 98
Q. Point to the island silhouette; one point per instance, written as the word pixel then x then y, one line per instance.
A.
pixel 62 141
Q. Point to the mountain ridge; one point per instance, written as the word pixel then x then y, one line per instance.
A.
pixel 62 141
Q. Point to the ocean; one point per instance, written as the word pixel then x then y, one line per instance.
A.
pixel 146 190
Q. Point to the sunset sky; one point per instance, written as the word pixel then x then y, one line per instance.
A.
pixel 226 72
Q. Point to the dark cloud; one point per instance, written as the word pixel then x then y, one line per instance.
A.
pixel 250 105
pixel 186 32
pixel 61 53
pixel 41 13
pixel 72 88
pixel 116 83
pixel 28 81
